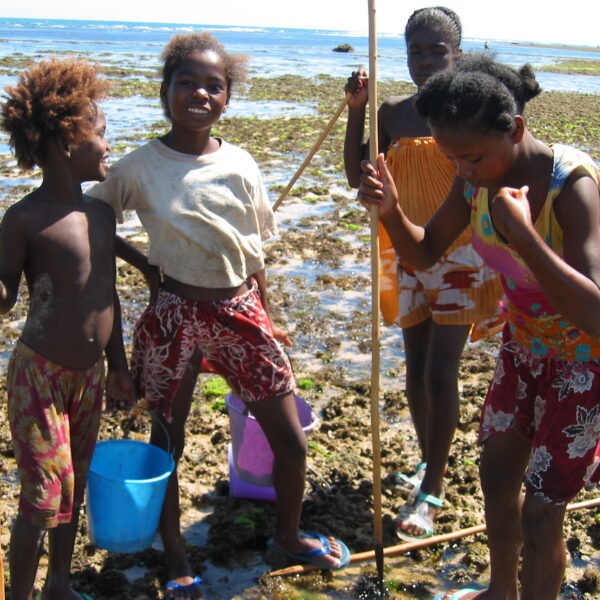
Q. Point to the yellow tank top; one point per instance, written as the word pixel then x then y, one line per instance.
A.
pixel 423 177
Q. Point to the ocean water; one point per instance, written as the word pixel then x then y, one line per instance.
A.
pixel 274 51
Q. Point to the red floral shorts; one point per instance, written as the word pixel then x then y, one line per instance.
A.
pixel 233 336
pixel 54 416
pixel 556 405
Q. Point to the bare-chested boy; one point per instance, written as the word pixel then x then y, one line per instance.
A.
pixel 64 243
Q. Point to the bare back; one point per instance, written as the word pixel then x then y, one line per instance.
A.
pixel 67 254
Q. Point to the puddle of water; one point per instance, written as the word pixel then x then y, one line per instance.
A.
pixel 134 573
pixel 219 582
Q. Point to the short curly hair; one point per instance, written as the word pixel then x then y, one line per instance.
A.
pixel 477 92
pixel 436 16
pixel 180 45
pixel 53 99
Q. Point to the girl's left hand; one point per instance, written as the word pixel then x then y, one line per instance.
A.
pixel 377 187
pixel 511 213
pixel 281 336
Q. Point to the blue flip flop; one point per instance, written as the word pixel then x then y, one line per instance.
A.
pixel 173 585
pixel 312 556
pixel 456 594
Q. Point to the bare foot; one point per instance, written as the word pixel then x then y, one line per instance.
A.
pixel 416 518
pixel 413 527
pixel 305 543
pixel 181 583
pixel 185 586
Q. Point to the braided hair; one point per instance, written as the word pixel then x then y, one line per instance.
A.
pixel 436 16
pixel 478 92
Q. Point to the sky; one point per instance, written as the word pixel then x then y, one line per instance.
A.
pixel 547 21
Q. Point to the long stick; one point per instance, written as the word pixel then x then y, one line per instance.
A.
pixel 375 318
pixel 312 152
pixel 1 576
pixel 408 546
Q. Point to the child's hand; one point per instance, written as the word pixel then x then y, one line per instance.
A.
pixel 511 213
pixel 120 391
pixel 358 87
pixel 377 187
pixel 281 336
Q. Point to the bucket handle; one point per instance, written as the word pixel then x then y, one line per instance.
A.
pixel 139 408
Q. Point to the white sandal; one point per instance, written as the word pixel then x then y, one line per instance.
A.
pixel 410 483
pixel 416 513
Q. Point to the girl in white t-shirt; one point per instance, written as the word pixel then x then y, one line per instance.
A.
pixel 206 212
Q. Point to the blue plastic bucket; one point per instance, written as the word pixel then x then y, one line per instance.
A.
pixel 126 489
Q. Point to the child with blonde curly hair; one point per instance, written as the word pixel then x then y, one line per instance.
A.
pixel 64 243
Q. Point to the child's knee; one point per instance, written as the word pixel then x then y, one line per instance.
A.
pixel 441 382
pixel 293 453
pixel 542 522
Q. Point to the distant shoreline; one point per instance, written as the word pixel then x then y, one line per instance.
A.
pixel 561 46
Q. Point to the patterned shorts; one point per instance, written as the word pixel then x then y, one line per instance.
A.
pixel 458 290
pixel 54 416
pixel 233 336
pixel 556 405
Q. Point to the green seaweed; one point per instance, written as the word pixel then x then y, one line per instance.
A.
pixel 215 386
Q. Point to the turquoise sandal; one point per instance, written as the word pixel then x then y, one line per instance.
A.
pixel 416 513
pixel 456 594
pixel 410 483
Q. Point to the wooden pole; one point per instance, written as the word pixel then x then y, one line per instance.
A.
pixel 312 152
pixel 1 576
pixel 415 545
pixel 375 318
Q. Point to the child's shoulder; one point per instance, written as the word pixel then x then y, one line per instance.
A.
pixel 139 152
pixel 228 147
pixel 19 212
pixel 399 118
pixel 131 167
pixel 398 104
pixel 29 205
pixel 229 151
pixel 570 154
pixel 569 161
pixel 99 208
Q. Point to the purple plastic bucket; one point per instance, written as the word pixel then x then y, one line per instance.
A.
pixel 238 488
pixel 251 455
